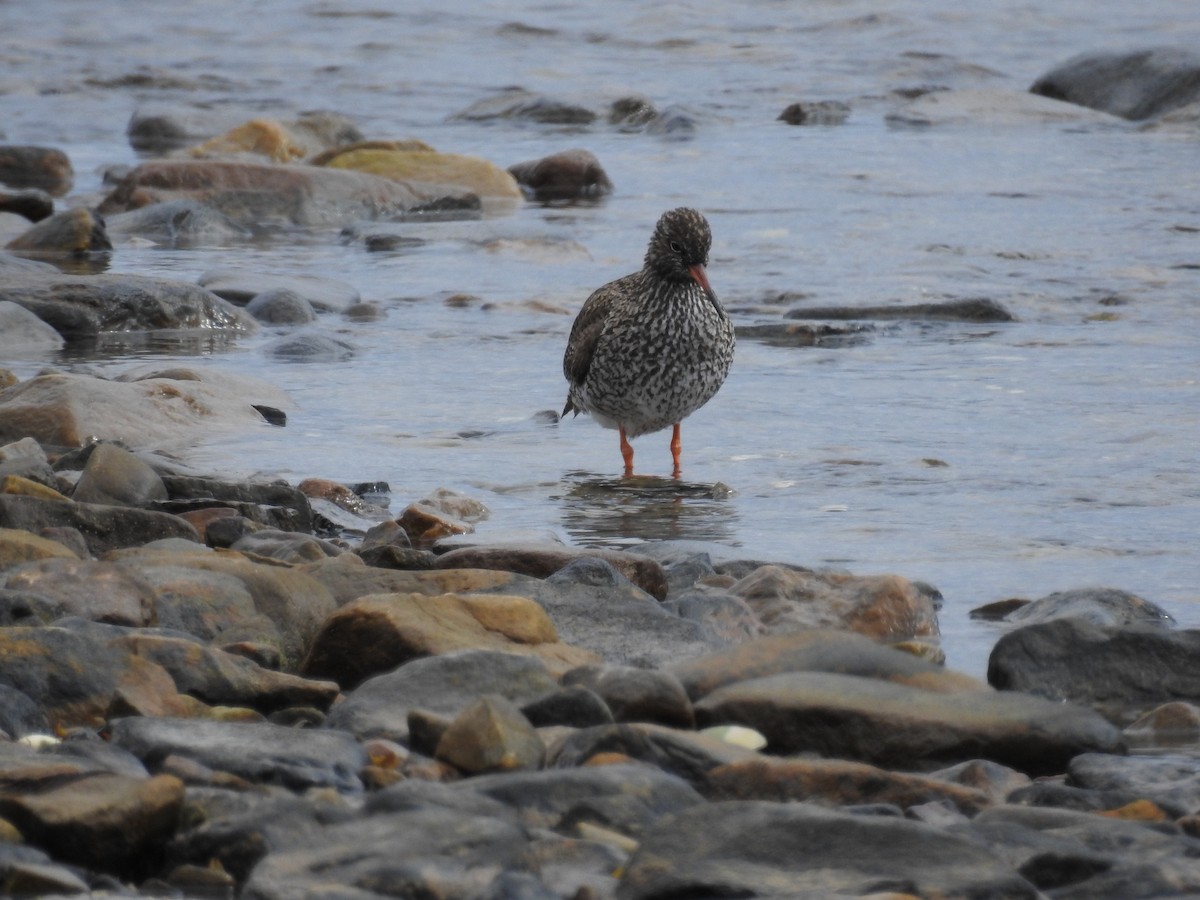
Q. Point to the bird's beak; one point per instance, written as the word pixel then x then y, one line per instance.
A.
pixel 701 278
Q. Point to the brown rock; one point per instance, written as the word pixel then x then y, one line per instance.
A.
pixel 425 166
pixel 220 678
pixel 36 167
pixel 75 677
pixel 74 232
pixel 834 782
pixel 17 547
pixel 1177 722
pixel 543 560
pixel 425 525
pixel 885 607
pixel 88 588
pixel 347 579
pixel 111 823
pixel 380 632
pixel 491 735
pixel 570 175
pixel 115 477
pixel 295 604
pixel 15 484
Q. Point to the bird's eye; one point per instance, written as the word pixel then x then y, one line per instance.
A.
pixel 675 248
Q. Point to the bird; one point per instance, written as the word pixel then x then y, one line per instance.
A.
pixel 649 349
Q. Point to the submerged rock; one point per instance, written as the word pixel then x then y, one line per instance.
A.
pixel 87 305
pixel 253 194
pixel 974 310
pixel 71 410
pixel 1135 84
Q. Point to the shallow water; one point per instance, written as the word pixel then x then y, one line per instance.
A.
pixel 989 460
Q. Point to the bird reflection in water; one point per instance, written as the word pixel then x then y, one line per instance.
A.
pixel 603 511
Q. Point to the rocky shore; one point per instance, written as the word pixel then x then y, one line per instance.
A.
pixel 214 688
pixel 230 689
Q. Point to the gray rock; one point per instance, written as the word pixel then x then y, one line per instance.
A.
pixel 521 104
pixel 178 223
pixel 1134 85
pixel 22 332
pixel 261 752
pixel 685 754
pixel 27 459
pixel 596 608
pixel 103 527
pixel 281 306
pixel 84 305
pixel 625 798
pixel 1174 780
pixel 1105 607
pixel 755 848
pixel 310 348
pixel 19 715
pixel 895 726
pixel 241 287
pixel 636 695
pixel 444 684
pixel 1072 659
pixel 426 852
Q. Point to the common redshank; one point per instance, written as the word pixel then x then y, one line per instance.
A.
pixel 648 350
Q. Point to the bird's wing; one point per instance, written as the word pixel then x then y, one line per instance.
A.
pixel 589 325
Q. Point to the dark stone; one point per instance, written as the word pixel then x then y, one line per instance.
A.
pixel 1073 659
pixel 980 309
pixel 636 695
pixel 272 415
pixel 33 204
pixel 570 175
pixel 103 527
pixel 1135 85
pixel 521 104
pixel 634 795
pixel 575 707
pixel 87 305
pixel 821 112
pixel 282 506
pixel 20 715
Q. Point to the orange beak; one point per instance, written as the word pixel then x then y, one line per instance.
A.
pixel 701 278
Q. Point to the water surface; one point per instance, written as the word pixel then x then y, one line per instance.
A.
pixel 990 460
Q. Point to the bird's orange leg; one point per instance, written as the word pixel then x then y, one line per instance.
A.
pixel 626 452
pixel 676 448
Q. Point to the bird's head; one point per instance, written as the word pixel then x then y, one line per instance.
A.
pixel 679 248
